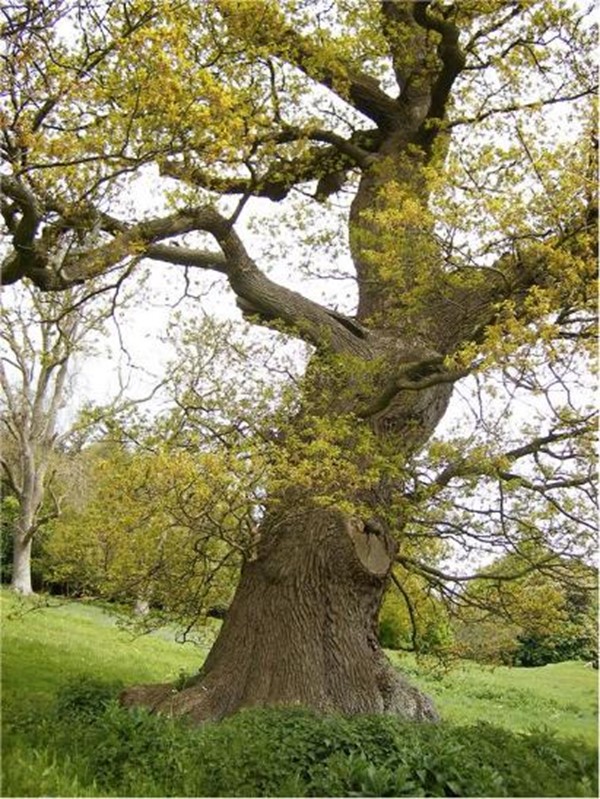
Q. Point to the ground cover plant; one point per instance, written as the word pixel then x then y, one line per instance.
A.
pixel 64 735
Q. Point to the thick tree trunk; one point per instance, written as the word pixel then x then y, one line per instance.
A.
pixel 21 569
pixel 301 629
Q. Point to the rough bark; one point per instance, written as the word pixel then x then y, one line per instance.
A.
pixel 302 629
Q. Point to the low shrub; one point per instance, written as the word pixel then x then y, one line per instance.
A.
pixel 294 752
pixel 85 697
pixel 538 650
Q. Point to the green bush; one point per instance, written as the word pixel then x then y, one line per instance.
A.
pixel 392 632
pixel 9 511
pixel 293 752
pixel 539 650
pixel 84 698
pixel 432 634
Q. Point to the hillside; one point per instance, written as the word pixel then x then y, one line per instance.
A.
pixel 45 648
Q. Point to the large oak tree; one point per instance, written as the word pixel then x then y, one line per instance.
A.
pixel 463 135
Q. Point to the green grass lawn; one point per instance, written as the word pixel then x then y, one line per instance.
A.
pixel 43 648
pixel 560 696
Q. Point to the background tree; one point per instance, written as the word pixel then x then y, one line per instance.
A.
pixel 44 339
pixel 40 335
pixel 471 230
pixel 158 527
pixel 548 615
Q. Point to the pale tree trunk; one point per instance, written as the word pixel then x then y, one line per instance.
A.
pixel 21 568
pixel 22 545
pixel 33 475
pixel 141 607
pixel 33 392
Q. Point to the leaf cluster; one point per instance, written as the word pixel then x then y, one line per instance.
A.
pixel 164 528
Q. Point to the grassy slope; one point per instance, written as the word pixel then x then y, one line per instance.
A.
pixel 43 648
pixel 560 696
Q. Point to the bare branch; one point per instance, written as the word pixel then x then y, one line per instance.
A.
pixel 439 575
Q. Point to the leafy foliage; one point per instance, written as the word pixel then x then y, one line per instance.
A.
pixel 162 527
pixel 543 616
pixel 134 753
pixel 84 698
pixel 8 520
pixel 413 619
